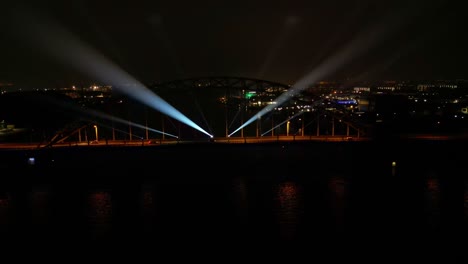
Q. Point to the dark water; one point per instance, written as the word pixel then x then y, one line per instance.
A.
pixel 309 198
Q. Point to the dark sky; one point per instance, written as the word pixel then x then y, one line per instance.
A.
pixel 161 41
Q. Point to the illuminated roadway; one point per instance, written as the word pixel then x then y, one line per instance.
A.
pixel 224 140
pixel 154 142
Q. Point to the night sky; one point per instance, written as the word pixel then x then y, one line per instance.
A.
pixel 276 41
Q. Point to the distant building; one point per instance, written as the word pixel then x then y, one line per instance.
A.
pixel 430 87
pixel 361 89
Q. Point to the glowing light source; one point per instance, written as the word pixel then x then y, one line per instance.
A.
pixel 356 47
pixel 31 161
pixel 68 49
pixel 96 132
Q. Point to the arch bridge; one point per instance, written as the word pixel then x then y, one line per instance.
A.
pixel 222 104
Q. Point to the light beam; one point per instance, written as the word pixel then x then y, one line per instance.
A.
pixel 280 124
pixel 361 44
pixel 68 49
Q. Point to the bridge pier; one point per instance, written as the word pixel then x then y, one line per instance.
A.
pixel 333 126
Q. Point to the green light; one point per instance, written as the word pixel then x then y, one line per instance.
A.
pixel 249 95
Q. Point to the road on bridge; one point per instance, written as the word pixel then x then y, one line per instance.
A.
pixel 224 140
pixel 152 142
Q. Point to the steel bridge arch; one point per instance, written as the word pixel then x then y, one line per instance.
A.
pixel 234 91
pixel 237 83
pixel 204 96
pixel 239 97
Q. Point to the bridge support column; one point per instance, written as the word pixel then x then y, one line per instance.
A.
pixel 226 121
pixel 318 125
pixel 113 130
pixel 347 130
pixel 242 123
pixel 146 123
pixel 302 127
pixel 260 126
pixel 333 126
pixel 257 130
pixel 146 132
pixel 162 125
pixel 130 131
pixel 272 126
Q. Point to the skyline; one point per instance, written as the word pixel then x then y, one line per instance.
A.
pixel 356 40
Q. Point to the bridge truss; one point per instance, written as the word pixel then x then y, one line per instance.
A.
pixel 219 105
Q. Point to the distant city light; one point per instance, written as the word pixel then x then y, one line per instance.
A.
pixel 356 47
pixel 31 161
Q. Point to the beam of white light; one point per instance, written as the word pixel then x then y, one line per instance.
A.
pixel 68 49
pixel 280 124
pixel 282 36
pixel 362 43
pixel 100 114
pixel 123 121
pixel 234 118
pixel 157 22
pixel 119 130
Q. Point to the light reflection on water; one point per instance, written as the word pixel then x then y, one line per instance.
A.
pixel 5 211
pixel 100 212
pixel 41 206
pixel 466 202
pixel 148 202
pixel 242 207
pixel 289 210
pixel 148 207
pixel 433 201
pixel 240 197
pixel 339 192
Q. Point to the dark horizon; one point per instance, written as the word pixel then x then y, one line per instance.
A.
pixel 362 40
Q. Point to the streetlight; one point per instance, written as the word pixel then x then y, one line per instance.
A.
pixel 96 131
